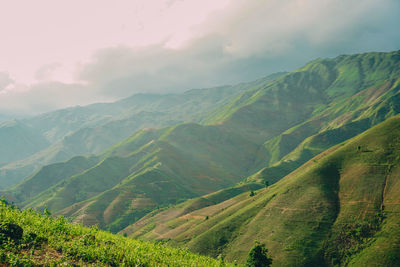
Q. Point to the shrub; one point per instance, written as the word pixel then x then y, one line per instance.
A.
pixel 258 256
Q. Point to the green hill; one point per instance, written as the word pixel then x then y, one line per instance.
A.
pixel 49 176
pixel 151 169
pixel 31 239
pixel 374 99
pixel 340 208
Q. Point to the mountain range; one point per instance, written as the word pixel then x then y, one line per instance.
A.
pixel 58 136
pixel 180 168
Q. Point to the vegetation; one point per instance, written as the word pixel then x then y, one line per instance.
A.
pixel 258 256
pixel 30 239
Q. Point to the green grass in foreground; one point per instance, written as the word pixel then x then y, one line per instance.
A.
pixel 28 238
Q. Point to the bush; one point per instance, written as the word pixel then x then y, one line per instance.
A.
pixel 10 231
pixel 258 256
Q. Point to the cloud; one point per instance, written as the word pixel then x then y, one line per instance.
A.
pixel 122 71
pixel 42 97
pixel 5 80
pixel 245 40
pixel 276 27
pixel 46 72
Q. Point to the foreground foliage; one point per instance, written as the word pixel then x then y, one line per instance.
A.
pixel 28 238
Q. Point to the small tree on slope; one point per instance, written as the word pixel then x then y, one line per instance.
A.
pixel 258 256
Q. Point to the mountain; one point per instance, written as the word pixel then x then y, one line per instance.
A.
pixel 5 117
pixel 374 99
pixel 263 133
pixel 18 140
pixel 338 209
pixel 94 128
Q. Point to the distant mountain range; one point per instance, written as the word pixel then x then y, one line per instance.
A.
pixel 57 136
pixel 152 152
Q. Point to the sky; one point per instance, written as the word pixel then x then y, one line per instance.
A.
pixel 60 53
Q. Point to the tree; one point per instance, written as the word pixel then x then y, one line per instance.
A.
pixel 258 256
pixel 266 183
pixel 252 193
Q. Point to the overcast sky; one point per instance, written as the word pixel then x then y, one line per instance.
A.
pixel 59 53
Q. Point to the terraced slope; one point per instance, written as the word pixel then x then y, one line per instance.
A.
pixel 340 208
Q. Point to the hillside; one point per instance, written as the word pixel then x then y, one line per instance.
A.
pixel 48 176
pixel 31 239
pixel 325 93
pixel 266 132
pixel 151 169
pixel 340 208
pixel 355 104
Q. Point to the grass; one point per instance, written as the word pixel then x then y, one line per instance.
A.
pixel 54 241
